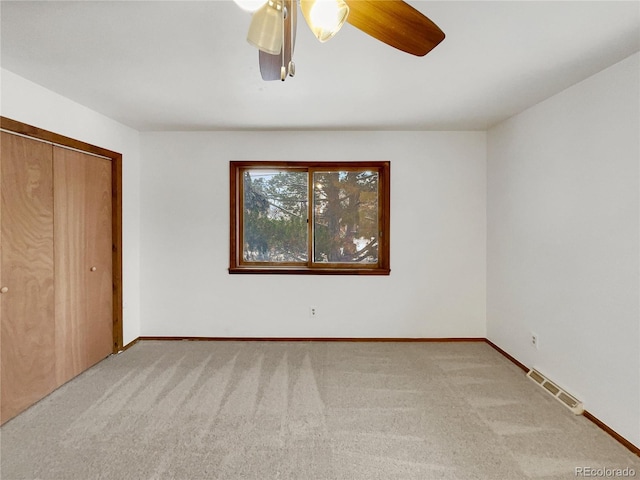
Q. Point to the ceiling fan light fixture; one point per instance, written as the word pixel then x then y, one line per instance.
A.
pixel 250 5
pixel 265 31
pixel 324 17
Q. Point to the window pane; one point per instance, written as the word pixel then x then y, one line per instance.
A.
pixel 345 216
pixel 275 216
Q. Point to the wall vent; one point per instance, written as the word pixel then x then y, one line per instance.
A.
pixel 558 393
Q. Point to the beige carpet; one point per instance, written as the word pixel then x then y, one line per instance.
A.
pixel 304 410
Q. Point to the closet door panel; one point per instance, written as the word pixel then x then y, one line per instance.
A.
pixel 27 280
pixel 83 261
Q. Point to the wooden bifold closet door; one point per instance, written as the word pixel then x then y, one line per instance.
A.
pixel 26 274
pixel 56 305
pixel 82 254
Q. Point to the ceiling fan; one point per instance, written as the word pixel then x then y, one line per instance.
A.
pixel 274 23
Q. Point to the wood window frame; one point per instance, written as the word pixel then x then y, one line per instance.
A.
pixel 26 130
pixel 238 266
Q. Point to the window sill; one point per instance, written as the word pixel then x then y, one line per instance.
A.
pixel 309 271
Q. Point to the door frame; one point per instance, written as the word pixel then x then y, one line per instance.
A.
pixel 14 126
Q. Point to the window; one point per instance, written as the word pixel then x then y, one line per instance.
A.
pixel 309 217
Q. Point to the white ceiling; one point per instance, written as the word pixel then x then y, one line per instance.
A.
pixel 182 65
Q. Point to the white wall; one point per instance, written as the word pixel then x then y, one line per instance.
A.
pixel 563 241
pixel 29 103
pixel 437 282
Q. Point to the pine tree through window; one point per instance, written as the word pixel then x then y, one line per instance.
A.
pixel 309 217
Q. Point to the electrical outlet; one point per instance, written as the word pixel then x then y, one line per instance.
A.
pixel 534 340
pixel 313 312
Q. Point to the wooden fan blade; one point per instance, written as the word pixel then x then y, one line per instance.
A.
pixel 270 64
pixel 395 23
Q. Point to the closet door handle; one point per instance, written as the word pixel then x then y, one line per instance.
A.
pixel 4 289
pixel 93 269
